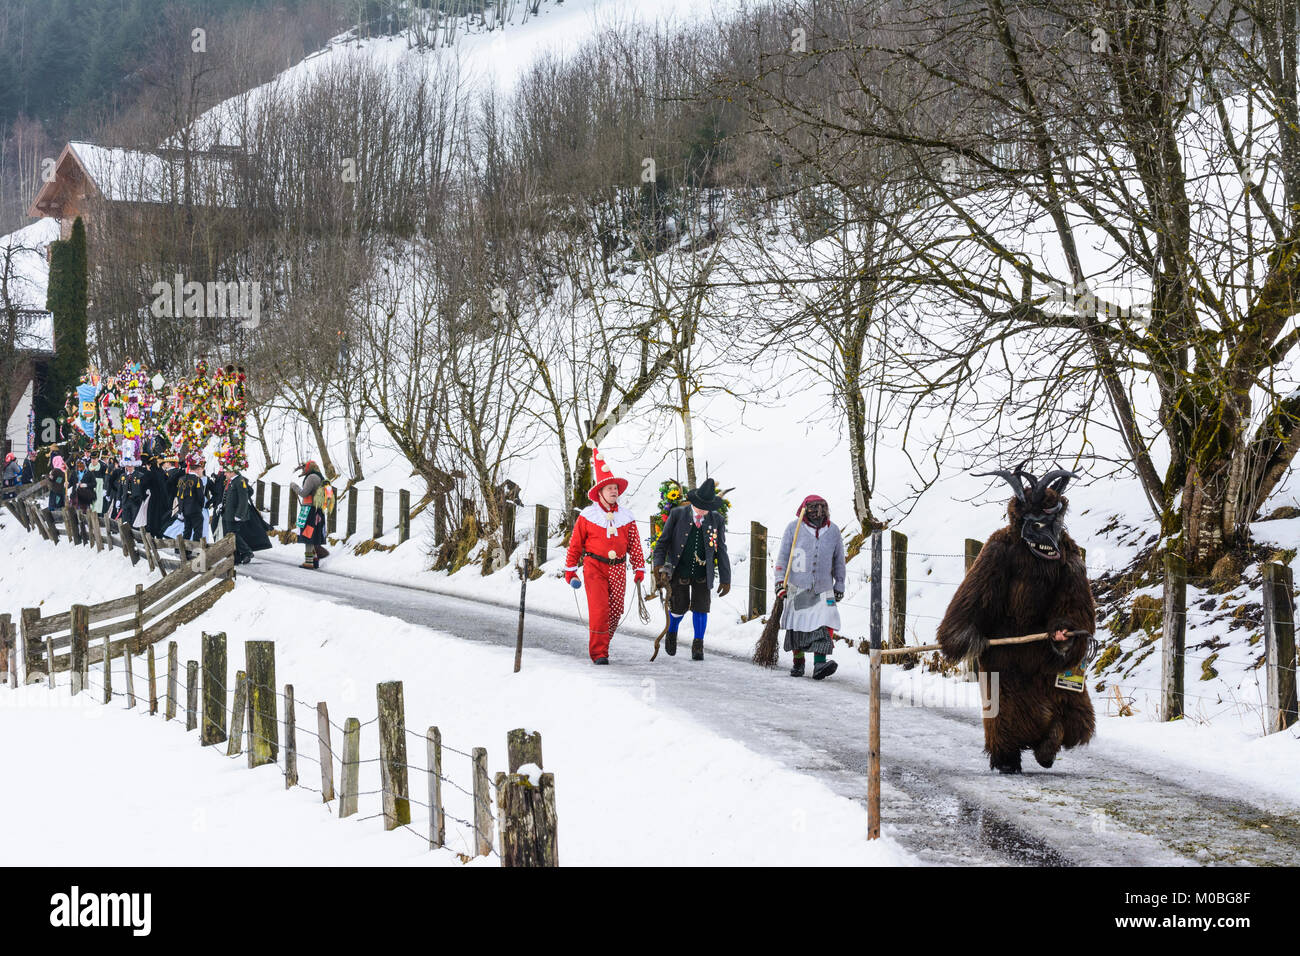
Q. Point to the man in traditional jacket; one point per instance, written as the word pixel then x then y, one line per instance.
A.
pixel 691 549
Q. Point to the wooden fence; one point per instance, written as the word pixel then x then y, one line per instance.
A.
pixel 69 641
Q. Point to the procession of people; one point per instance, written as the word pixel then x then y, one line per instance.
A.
pixel 689 558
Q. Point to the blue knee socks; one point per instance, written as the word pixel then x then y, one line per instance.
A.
pixel 673 621
pixel 699 621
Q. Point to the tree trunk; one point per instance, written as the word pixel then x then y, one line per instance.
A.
pixel 1211 514
pixel 358 472
pixel 318 433
pixel 688 431
pixel 857 426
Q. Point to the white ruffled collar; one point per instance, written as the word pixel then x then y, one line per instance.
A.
pixel 599 516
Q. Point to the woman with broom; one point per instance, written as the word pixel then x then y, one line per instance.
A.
pixel 812 567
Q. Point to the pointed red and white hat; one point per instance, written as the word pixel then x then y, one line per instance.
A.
pixel 603 475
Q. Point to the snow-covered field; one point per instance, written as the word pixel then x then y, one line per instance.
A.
pixel 636 783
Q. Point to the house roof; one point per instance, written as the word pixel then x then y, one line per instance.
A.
pixel 27 282
pixel 85 170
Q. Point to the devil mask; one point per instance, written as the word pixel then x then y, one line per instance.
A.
pixel 1039 507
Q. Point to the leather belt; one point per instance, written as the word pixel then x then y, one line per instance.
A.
pixel 588 554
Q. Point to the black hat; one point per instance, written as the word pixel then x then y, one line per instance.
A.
pixel 705 497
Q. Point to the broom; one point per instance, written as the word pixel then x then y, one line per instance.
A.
pixel 765 651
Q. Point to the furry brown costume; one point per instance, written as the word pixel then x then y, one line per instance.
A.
pixel 1029 578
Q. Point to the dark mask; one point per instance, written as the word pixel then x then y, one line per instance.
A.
pixel 1041 508
pixel 816 514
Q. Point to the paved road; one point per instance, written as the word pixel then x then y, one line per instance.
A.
pixel 1099 806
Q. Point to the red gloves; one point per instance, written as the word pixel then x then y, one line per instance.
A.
pixel 639 576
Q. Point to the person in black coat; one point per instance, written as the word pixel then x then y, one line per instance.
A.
pixel 58 484
pixel 690 550
pixel 131 492
pixel 112 491
pixel 215 492
pixel 241 519
pixel 155 481
pixel 190 498
pixel 29 469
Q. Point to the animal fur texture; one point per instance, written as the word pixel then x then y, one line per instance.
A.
pixel 1011 591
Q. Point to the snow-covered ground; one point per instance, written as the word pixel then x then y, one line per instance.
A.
pixel 636 783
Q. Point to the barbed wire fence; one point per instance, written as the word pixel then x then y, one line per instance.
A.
pixel 510 817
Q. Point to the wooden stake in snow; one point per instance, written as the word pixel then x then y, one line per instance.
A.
pixel 191 694
pixel 437 818
pixel 528 823
pixel 290 740
pixel 326 752
pixel 351 767
pixel 1173 649
pixel 235 744
pixel 392 755
pixel 482 803
pixel 172 664
pixel 264 726
pixel 130 677
pixel 523 747
pixel 80 628
pixel 1279 648
pixel 214 689
pixel 524 573
pixel 873 719
pixel 153 683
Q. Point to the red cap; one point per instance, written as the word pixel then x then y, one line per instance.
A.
pixel 603 476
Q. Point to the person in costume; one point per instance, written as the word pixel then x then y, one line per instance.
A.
pixel 604 539
pixel 311 517
pixel 691 550
pixel 811 614
pixel 189 499
pixel 130 492
pixel 58 483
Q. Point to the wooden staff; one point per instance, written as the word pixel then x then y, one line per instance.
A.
pixel 1024 639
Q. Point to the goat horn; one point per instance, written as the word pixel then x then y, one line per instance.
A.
pixel 1012 479
pixel 1050 480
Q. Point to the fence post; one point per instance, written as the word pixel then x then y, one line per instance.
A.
pixel 352 511
pixel 264 727
pixel 437 819
pixel 1175 635
pixel 351 765
pixel 96 531
pixel 214 689
pixel 275 504
pixel 873 714
pixel 172 661
pixel 260 499
pixel 403 516
pixel 28 620
pixel 541 520
pixel 1279 647
pixel 897 589
pixel 77 666
pixel 128 543
pixel 969 671
pixel 148 549
pixel 528 821
pixel 138 637
pixel 6 657
pixel 508 529
pixel 523 746
pixel 191 695
pixel 973 549
pixel 482 803
pixel 153 683
pixel 130 676
pixel 332 516
pixel 234 745
pixel 290 740
pixel 378 518
pixel 757 570
pixel 108 670
pixel 291 519
pixel 392 755
pixel 326 752
pixel 49 659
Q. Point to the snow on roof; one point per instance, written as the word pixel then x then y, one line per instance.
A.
pixel 132 175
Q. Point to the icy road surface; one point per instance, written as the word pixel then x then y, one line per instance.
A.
pixel 1099 805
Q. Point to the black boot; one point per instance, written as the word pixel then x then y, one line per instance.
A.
pixel 797 670
pixel 824 669
pixel 697 649
pixel 670 643
pixel 601 660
